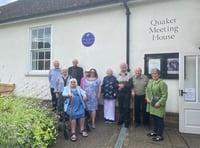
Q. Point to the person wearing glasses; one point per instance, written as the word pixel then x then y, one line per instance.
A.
pixel 75 107
pixel 156 96
pixel 92 86
pixel 61 82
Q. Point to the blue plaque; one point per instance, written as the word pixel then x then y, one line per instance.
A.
pixel 88 39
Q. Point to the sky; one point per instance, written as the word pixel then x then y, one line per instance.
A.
pixel 4 2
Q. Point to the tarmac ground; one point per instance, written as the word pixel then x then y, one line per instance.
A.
pixel 110 135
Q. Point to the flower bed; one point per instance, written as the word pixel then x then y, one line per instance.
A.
pixel 24 122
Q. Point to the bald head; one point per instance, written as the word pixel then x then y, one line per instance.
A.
pixel 123 67
pixel 138 72
pixel 75 62
pixel 56 64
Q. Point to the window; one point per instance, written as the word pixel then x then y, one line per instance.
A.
pixel 40 52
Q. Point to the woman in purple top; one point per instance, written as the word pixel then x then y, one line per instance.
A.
pixel 92 86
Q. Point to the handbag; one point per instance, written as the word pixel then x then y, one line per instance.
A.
pixel 154 101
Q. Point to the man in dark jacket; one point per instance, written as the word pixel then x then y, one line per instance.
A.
pixel 75 71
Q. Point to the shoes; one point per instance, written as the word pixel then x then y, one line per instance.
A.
pixel 93 126
pixel 157 138
pixel 108 121
pixel 151 134
pixel 83 133
pixel 73 137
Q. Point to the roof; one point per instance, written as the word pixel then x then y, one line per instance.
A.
pixel 25 9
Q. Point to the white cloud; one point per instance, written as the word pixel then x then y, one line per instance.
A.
pixel 4 2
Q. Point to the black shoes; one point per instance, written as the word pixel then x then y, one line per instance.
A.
pixel 157 138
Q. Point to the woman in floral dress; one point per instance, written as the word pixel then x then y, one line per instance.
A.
pixel 92 86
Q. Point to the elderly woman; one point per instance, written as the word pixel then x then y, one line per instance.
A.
pixel 109 90
pixel 92 86
pixel 156 96
pixel 75 107
pixel 61 82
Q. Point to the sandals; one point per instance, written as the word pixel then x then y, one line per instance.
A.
pixel 73 137
pixel 157 138
pixel 83 133
pixel 151 134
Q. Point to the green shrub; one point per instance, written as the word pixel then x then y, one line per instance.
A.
pixel 24 123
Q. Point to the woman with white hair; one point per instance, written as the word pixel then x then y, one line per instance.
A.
pixel 75 107
pixel 61 82
pixel 109 91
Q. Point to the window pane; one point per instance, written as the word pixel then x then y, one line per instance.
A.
pixel 41 33
pixel 41 55
pixel 41 65
pixel 40 44
pixel 34 45
pixel 47 32
pixel 47 55
pixel 47 43
pixel 34 34
pixel 47 64
pixel 34 55
pixel 34 38
pixel 34 65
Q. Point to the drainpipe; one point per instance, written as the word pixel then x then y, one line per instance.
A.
pixel 127 32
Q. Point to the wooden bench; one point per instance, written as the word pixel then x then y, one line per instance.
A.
pixel 6 89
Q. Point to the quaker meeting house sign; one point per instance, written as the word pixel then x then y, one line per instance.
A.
pixel 88 39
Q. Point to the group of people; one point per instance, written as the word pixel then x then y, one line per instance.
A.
pixel 82 93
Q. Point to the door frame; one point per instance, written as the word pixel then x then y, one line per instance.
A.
pixel 182 104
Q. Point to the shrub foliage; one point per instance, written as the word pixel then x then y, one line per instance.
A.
pixel 25 122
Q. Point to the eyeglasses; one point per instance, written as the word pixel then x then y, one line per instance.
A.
pixel 72 82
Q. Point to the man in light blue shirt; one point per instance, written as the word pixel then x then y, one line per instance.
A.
pixel 54 73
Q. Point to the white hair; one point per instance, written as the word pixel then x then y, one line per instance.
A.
pixel 73 79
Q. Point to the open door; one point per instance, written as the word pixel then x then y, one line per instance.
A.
pixel 189 92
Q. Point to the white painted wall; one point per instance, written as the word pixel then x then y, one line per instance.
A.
pixel 187 39
pixel 109 50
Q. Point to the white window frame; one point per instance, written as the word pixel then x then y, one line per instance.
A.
pixel 31 71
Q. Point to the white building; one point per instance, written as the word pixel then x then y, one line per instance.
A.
pixel 33 33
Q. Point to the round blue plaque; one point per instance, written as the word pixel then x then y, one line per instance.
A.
pixel 88 39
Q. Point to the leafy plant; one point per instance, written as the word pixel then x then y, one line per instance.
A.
pixel 25 122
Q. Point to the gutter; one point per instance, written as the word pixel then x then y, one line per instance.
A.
pixel 128 13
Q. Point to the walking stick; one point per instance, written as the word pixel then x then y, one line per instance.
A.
pixel 72 105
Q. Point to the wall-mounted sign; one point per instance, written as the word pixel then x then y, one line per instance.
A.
pixel 88 39
pixel 167 63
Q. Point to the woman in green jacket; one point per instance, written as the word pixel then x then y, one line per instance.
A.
pixel 156 96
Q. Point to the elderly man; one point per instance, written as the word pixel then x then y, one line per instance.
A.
pixel 138 92
pixel 75 71
pixel 54 73
pixel 124 79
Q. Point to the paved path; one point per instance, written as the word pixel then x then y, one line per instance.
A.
pixel 106 135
